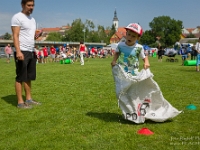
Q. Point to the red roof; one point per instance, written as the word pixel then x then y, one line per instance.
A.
pixel 51 29
pixel 121 32
pixel 190 29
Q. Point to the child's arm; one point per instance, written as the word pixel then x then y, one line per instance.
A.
pixel 115 57
pixel 146 62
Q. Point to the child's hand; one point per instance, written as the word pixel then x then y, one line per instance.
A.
pixel 113 63
pixel 146 65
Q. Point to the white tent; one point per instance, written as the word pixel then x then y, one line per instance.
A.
pixel 113 45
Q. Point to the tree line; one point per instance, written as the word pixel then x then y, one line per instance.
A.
pixel 163 30
pixel 86 32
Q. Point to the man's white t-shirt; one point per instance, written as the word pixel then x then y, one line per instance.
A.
pixel 27 26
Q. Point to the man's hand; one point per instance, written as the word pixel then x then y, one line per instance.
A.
pixel 20 55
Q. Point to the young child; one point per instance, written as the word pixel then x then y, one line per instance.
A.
pixel 139 96
pixel 127 53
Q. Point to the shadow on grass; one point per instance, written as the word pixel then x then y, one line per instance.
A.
pixel 113 117
pixel 11 99
pixel 108 117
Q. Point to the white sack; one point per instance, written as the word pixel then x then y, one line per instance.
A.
pixel 140 97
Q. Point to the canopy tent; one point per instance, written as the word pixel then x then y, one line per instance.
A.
pixel 146 47
pixel 113 45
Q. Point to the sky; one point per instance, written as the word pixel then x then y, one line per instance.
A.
pixel 57 13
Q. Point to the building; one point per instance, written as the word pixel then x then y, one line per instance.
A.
pixel 42 33
pixel 119 35
pixel 120 31
pixel 115 20
pixel 191 31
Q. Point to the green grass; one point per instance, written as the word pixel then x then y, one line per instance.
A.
pixel 79 109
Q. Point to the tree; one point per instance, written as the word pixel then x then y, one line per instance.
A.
pixel 168 29
pixel 148 38
pixel 54 36
pixel 7 36
pixel 113 30
pixel 93 37
pixel 101 33
pixel 76 32
pixel 190 36
pixel 80 31
pixel 89 25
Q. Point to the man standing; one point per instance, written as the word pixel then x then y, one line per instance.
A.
pixel 53 54
pixel 45 52
pixel 8 52
pixel 23 28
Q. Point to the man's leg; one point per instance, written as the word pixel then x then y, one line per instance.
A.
pixel 29 100
pixel 18 90
pixel 27 88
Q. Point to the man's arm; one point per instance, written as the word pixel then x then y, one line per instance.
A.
pixel 15 31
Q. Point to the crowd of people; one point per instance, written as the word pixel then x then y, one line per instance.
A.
pixel 188 51
pixel 56 53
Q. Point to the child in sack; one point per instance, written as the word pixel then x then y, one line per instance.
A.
pixel 127 53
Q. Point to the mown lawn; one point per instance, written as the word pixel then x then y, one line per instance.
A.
pixel 79 109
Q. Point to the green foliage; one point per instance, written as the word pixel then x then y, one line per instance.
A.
pixel 80 31
pixel 112 31
pixel 191 36
pixel 79 109
pixel 54 36
pixel 89 25
pixel 93 37
pixel 168 29
pixel 147 38
pixel 7 36
pixel 193 41
pixel 101 33
pixel 76 32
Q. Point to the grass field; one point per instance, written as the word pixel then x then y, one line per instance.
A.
pixel 79 109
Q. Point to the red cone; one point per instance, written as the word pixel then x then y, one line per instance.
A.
pixel 145 131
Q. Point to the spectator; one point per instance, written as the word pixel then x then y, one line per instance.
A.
pixel 193 53
pixel 160 53
pixel 93 52
pixel 45 52
pixel 8 52
pixel 41 55
pixel 53 53
pixel 82 49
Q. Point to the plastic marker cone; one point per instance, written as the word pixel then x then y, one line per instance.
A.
pixel 145 131
pixel 191 107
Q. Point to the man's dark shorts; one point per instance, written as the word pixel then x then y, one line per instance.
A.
pixel 26 69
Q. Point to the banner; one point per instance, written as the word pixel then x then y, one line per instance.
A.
pixel 140 97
